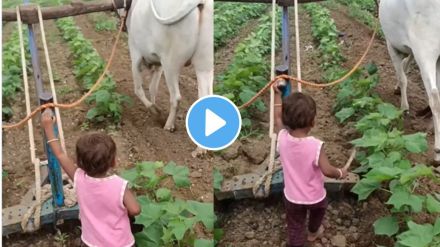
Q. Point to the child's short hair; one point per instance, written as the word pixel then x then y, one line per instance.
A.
pixel 95 153
pixel 298 111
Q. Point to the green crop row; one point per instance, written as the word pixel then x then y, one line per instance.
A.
pixel 166 220
pixel 384 151
pixel 88 66
pixel 361 12
pixel 325 32
pixel 230 17
pixel 366 5
pixel 384 162
pixel 250 68
pixel 12 71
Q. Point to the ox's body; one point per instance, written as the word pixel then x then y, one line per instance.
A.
pixel 168 48
pixel 412 30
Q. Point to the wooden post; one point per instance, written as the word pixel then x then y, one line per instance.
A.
pixel 29 13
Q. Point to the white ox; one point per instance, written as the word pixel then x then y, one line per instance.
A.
pixel 166 35
pixel 412 30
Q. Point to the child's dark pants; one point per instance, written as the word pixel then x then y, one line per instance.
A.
pixel 296 218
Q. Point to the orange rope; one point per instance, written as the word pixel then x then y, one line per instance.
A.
pixel 311 84
pixel 79 101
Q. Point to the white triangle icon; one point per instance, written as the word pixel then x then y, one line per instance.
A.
pixel 212 122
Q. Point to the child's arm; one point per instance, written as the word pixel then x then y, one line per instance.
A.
pixel 277 111
pixel 130 203
pixel 329 170
pixel 65 161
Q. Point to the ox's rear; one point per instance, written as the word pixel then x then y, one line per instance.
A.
pixel 413 27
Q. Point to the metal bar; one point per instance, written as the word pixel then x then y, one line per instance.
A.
pixel 44 97
pixel 55 178
pixel 240 186
pixel 12 216
pixel 35 61
pixel 286 38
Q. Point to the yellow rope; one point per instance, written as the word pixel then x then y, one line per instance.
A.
pixel 312 84
pixel 79 101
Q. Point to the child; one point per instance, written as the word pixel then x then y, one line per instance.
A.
pixel 304 163
pixel 105 202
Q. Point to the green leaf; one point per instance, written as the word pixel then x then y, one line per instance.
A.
pixel 92 113
pixel 204 243
pixel 401 197
pixel 386 226
pixel 376 159
pixel 417 235
pixel 150 239
pixel 365 187
pixel 179 228
pixel 432 205
pixel 246 123
pixel 218 234
pixel 416 143
pixel 372 138
pixel 148 169
pixel 163 194
pixel 246 95
pixel 436 230
pixel 150 213
pixel 383 173
pixel 389 110
pixel 203 212
pixel 150 236
pixel 415 172
pixel 344 114
pixel 131 176
pixel 218 179
pixel 180 174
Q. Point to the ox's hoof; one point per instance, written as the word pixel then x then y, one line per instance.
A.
pixel 169 128
pixel 406 113
pixel 199 152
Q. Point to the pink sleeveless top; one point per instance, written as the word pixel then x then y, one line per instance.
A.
pixel 303 179
pixel 104 218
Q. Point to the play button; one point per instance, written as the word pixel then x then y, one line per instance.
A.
pixel 213 122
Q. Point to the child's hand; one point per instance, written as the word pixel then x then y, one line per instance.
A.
pixel 344 173
pixel 275 88
pixel 47 118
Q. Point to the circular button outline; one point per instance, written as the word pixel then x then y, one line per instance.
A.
pixel 236 134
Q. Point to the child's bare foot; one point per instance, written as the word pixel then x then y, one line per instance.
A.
pixel 312 236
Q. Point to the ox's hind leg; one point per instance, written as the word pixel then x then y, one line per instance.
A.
pixel 429 64
pixel 172 71
pixel 203 58
pixel 400 63
pixel 154 84
pixel 136 62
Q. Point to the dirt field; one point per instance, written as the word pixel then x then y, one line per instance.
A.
pixel 262 222
pixel 139 138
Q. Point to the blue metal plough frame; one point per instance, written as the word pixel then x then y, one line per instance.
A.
pixel 52 210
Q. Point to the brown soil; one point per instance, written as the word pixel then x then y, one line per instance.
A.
pixel 139 138
pixel 262 223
